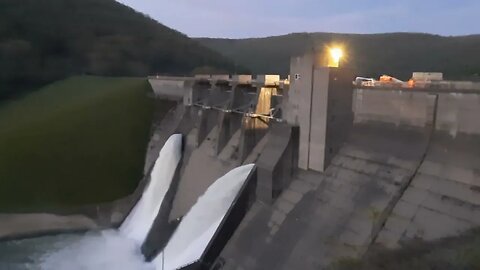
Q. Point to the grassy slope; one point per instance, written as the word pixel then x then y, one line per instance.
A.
pixel 81 140
pixel 397 54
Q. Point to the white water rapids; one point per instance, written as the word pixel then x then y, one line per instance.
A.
pixel 120 249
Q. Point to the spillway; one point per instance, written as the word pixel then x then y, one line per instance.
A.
pixel 140 220
pixel 120 249
pixel 198 227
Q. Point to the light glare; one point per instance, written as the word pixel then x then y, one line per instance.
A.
pixel 336 54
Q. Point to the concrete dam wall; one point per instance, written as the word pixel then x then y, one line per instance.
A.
pixel 338 170
pixel 408 170
pixel 342 170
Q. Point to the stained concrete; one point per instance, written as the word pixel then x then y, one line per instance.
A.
pixel 319 101
pixel 218 97
pixel 162 127
pixel 458 113
pixel 396 107
pixel 444 197
pixel 254 129
pixel 277 162
pixel 321 217
pixel 201 169
pixel 171 88
pixel 297 103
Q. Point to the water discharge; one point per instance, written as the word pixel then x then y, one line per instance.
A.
pixel 140 220
pixel 197 228
pixel 120 249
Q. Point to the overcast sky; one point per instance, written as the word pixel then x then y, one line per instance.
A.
pixel 257 18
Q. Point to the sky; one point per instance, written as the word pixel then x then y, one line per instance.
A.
pixel 260 18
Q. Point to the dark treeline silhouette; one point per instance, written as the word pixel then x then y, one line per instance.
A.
pixel 45 40
pixel 397 54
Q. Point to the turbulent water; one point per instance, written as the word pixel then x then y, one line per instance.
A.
pixel 120 249
pixel 110 249
pixel 200 224
pixel 140 220
pixel 94 250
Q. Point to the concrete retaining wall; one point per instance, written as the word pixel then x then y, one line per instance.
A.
pixel 458 113
pixel 394 107
pixel 171 88
pixel 277 162
pixel 454 112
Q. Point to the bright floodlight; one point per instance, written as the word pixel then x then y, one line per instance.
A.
pixel 335 54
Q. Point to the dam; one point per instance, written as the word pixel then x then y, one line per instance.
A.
pixel 267 173
pixel 340 169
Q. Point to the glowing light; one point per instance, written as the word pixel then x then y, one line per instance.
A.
pixel 335 55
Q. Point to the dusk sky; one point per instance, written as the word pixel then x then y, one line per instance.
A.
pixel 256 18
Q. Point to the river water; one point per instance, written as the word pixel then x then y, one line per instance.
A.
pixel 109 249
pixel 90 251
pixel 120 249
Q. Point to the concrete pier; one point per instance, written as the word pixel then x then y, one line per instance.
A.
pixel 319 101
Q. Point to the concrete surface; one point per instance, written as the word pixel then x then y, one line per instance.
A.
pixel 254 129
pixel 218 97
pixel 331 117
pixel 199 171
pixel 319 101
pixel 395 107
pixel 459 113
pixel 443 198
pixel 297 103
pixel 27 225
pixel 170 88
pixel 324 216
pixel 277 162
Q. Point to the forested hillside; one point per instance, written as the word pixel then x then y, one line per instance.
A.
pixel 45 40
pixel 397 54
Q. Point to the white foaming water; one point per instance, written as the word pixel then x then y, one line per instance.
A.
pixel 202 221
pixel 93 251
pixel 120 249
pixel 138 223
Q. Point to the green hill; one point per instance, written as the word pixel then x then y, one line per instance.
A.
pixel 398 54
pixel 74 142
pixel 44 41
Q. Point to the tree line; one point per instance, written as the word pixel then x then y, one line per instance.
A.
pixel 46 40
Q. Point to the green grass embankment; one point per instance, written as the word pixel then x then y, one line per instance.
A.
pixel 78 141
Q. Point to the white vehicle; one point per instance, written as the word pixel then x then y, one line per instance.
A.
pixel 362 81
